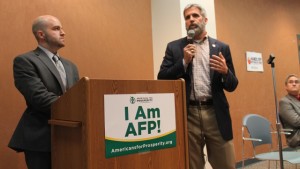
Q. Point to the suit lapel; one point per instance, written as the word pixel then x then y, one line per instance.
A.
pixel 294 100
pixel 213 50
pixel 46 60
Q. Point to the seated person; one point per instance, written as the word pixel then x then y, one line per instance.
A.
pixel 289 110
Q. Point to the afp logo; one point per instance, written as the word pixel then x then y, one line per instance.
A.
pixel 132 100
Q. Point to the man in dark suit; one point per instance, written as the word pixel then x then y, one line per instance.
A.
pixel 41 79
pixel 206 65
pixel 289 110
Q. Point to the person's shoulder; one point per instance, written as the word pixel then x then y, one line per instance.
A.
pixel 216 41
pixel 284 99
pixel 27 55
pixel 178 42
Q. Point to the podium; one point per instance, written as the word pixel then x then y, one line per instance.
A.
pixel 78 127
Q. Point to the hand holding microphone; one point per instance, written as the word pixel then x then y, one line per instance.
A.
pixel 190 36
pixel 190 49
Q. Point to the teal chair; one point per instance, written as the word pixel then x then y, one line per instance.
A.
pixel 259 130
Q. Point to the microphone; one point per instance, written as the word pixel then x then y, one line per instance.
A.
pixel 190 36
pixel 271 58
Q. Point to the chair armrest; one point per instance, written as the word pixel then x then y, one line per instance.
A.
pixel 251 139
pixel 287 129
pixel 286 133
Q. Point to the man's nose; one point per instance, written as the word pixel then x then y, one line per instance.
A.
pixel 62 32
pixel 192 19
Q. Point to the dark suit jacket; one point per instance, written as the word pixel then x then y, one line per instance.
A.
pixel 172 68
pixel 289 112
pixel 38 80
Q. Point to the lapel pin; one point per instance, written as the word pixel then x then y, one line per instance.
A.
pixel 214 45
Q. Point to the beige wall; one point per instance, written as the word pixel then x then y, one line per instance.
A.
pixel 268 26
pixel 107 39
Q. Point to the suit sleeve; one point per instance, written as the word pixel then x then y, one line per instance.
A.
pixel 230 81
pixel 28 82
pixel 172 65
pixel 289 113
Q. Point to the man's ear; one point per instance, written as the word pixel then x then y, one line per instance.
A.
pixel 41 34
pixel 205 20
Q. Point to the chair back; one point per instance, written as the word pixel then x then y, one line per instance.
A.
pixel 259 128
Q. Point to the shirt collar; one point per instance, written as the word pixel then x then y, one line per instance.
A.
pixel 48 53
pixel 202 40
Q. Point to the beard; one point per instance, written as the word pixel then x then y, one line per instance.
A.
pixel 198 28
pixel 54 42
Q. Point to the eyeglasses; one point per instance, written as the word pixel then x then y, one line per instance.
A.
pixel 293 81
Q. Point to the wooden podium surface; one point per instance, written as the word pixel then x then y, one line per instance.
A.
pixel 77 125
